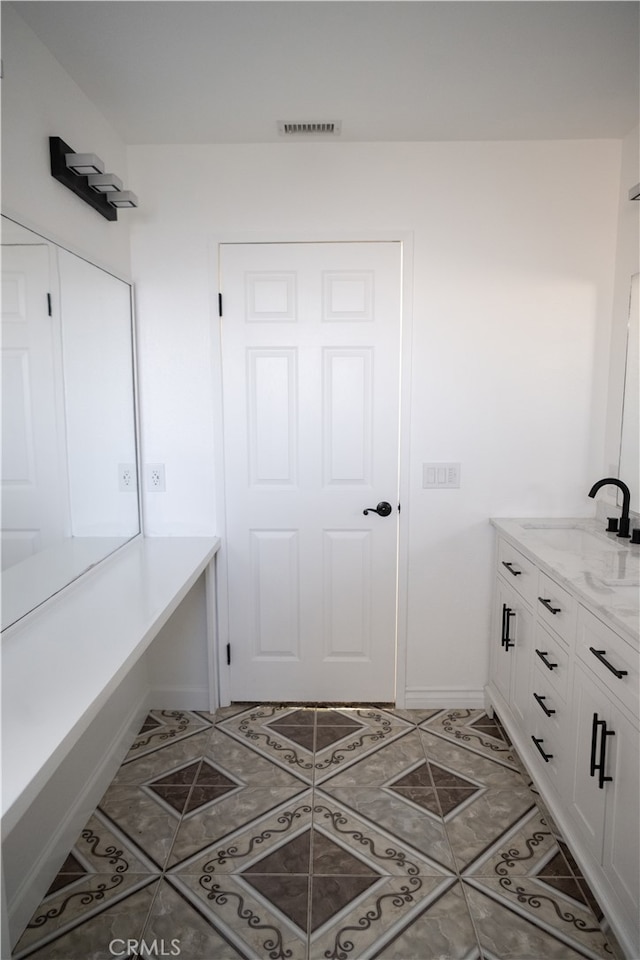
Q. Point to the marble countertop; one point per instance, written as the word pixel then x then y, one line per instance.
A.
pixel 600 569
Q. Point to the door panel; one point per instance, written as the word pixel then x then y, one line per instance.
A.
pixel 311 359
pixel 34 514
pixel 271 380
pixel 347 594
pixel 275 595
pixel 348 426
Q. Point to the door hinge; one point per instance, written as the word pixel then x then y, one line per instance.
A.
pixel 228 654
pixel 49 310
pixel 219 304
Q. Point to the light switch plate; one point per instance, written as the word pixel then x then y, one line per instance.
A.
pixel 441 476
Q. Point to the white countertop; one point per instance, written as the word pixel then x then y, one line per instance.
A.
pixel 38 578
pixel 61 663
pixel 600 569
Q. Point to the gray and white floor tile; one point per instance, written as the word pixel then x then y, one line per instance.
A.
pixel 299 832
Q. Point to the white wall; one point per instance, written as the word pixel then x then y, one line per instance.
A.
pixel 514 249
pixel 39 100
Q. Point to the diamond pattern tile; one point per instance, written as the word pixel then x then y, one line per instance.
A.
pixel 331 895
pixel 283 832
pixel 288 894
pixel 292 857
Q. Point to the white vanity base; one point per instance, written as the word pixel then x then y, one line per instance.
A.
pixel 75 690
pixel 564 680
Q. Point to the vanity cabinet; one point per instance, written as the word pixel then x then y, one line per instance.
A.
pixel 565 683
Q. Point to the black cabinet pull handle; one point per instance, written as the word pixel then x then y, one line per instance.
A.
pixel 507 613
pixel 600 765
pixel 383 509
pixel 543 654
pixel 594 740
pixel 546 602
pixel 546 709
pixel 509 565
pixel 538 742
pixel 603 751
pixel 600 655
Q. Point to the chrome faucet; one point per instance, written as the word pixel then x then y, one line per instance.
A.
pixel 623 525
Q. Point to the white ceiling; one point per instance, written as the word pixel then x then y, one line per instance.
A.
pixel 216 72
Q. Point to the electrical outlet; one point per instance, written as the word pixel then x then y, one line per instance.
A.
pixel 155 482
pixel 126 477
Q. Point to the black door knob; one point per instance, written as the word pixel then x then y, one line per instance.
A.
pixel 383 509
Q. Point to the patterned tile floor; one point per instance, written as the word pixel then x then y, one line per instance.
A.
pixel 301 833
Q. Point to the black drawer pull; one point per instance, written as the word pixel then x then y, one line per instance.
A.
pixel 507 613
pixel 546 602
pixel 543 654
pixel 599 655
pixel 594 740
pixel 600 765
pixel 509 565
pixel 545 756
pixel 603 750
pixel 546 709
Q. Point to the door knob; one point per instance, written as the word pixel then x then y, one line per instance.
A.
pixel 383 509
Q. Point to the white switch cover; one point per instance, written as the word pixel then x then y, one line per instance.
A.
pixel 441 476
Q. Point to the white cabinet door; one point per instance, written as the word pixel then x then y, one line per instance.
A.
pixel 621 856
pixel 511 650
pixel 501 655
pixel 310 357
pixel 587 799
pixel 605 800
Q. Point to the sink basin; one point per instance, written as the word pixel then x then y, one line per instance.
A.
pixel 622 571
pixel 574 539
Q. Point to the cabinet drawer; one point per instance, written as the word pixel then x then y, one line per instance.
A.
pixel 519 572
pixel 548 748
pixel 556 608
pixel 545 703
pixel 610 658
pixel 551 661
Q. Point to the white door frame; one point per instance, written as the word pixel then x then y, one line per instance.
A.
pixel 219 679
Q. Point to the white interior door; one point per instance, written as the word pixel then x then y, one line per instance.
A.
pixel 34 513
pixel 311 368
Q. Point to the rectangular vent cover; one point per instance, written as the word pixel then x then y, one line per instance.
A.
pixel 329 128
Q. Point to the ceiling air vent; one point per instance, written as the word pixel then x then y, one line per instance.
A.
pixel 329 128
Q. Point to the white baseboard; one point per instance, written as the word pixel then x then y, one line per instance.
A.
pixel 64 805
pixel 179 698
pixel 431 698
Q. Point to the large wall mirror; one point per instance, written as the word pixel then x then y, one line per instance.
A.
pixel 69 463
pixel 630 432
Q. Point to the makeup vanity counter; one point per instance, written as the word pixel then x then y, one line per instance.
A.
pixel 564 679
pixel 61 663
